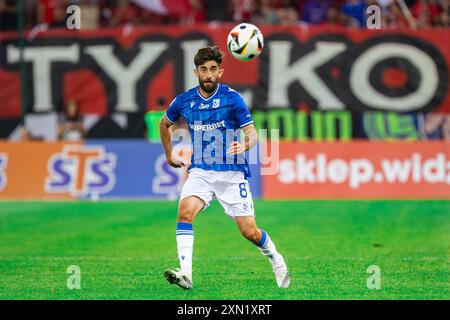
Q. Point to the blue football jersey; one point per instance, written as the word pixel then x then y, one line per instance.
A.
pixel 214 123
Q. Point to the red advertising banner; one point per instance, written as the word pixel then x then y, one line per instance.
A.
pixel 322 68
pixel 354 170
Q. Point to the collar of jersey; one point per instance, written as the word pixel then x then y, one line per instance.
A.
pixel 215 92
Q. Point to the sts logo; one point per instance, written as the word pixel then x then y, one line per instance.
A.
pixel 3 163
pixel 81 170
pixel 169 180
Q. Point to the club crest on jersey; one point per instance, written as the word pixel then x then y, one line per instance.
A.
pixel 3 162
pixel 81 170
pixel 216 103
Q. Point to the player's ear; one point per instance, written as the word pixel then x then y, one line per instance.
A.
pixel 196 72
pixel 221 72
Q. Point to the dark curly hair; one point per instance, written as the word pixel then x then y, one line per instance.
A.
pixel 207 54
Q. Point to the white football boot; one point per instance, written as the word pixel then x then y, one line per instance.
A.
pixel 281 272
pixel 177 277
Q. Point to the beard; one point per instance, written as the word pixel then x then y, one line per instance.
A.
pixel 208 86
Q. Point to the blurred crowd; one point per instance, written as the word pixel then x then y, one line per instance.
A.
pixel 416 14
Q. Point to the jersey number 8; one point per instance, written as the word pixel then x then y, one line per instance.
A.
pixel 242 190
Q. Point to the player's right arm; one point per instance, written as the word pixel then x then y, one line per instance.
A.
pixel 166 140
pixel 172 115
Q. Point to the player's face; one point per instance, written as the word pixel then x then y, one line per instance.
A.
pixel 208 75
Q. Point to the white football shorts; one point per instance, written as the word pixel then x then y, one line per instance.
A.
pixel 229 187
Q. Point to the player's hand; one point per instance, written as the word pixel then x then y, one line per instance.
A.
pixel 175 162
pixel 236 148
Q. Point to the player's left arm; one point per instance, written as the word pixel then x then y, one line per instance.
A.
pixel 245 122
pixel 250 140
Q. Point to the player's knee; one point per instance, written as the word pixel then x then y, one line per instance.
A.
pixel 185 214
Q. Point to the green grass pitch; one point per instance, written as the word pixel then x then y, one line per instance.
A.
pixel 123 248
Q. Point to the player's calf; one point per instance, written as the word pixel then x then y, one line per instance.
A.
pixel 249 230
pixel 252 234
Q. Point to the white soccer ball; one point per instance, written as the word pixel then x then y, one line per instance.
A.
pixel 245 42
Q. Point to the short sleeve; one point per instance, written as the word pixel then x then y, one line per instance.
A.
pixel 243 115
pixel 173 112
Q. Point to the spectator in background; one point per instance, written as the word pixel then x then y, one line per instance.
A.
pixel 243 10
pixel 287 16
pixel 125 12
pixel 218 10
pixel 52 12
pixel 287 12
pixel 437 126
pixel 444 20
pixel 423 20
pixel 351 13
pixel 71 123
pixel 45 10
pixel 445 5
pixel 90 17
pixel 266 13
pixel 196 12
pixel 60 15
pixel 444 17
pixel 384 4
pixel 8 15
pixel 105 12
pixel 426 12
pixel 152 18
pixel 315 11
pixel 334 18
pixel 396 18
pixel 355 11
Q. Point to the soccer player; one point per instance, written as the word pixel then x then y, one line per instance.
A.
pixel 213 110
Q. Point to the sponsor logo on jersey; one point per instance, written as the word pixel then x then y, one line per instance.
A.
pixel 81 170
pixel 203 106
pixel 207 127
